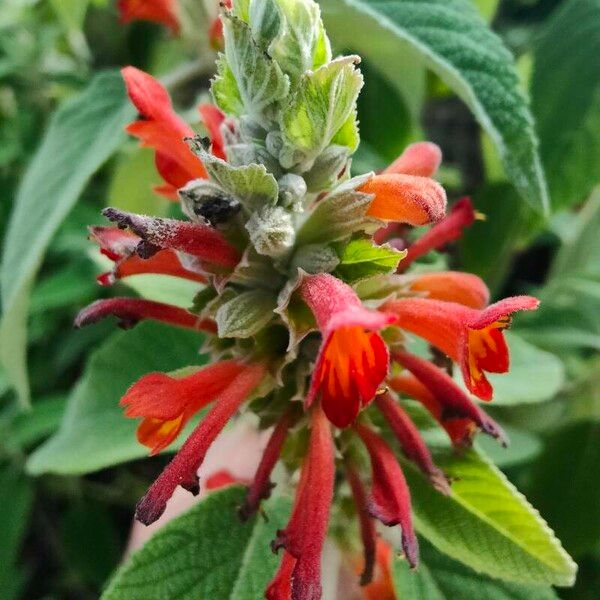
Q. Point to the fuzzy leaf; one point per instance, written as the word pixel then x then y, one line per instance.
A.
pixel 252 185
pixel 93 414
pixel 264 18
pixel 450 37
pixel 339 215
pixel 225 90
pixel 566 100
pixel 259 79
pixel 245 314
pixel 440 578
pixel 82 134
pixel 360 259
pixel 322 104
pixel 487 524
pixel 303 44
pixel 205 553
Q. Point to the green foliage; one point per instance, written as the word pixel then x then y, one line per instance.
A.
pixel 566 100
pixel 82 135
pixel 451 39
pixel 207 552
pixel 440 578
pixel 360 259
pixel 93 421
pixel 245 314
pixel 487 524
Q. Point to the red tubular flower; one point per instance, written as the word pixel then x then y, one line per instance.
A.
pixel 472 338
pixel 182 470
pixel 215 32
pixel 353 360
pixel 213 118
pixel 390 497
pixel 304 536
pixel 422 159
pixel 367 524
pixel 201 241
pixel 167 403
pixel 158 11
pixel 120 246
pixel 460 431
pixel 447 230
pixel 163 130
pixel 455 404
pixel 406 198
pixel 411 441
pixel 260 489
pixel 131 311
pixel 453 286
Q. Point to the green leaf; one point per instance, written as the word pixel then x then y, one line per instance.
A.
pixel 252 185
pixel 455 42
pixel 264 18
pixel 303 44
pixel 16 498
pixel 206 553
pixel 339 215
pixel 486 523
pixel 245 314
pixel 565 93
pixel 259 79
pixel 321 105
pixel 225 90
pixel 82 135
pixel 93 422
pixel 535 375
pixel 360 259
pixel 523 447
pixel 440 578
pixel 42 420
pixel 564 485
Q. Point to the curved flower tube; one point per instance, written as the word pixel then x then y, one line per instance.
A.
pixel 452 286
pixel 472 338
pixel 422 159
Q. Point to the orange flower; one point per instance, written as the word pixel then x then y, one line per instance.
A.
pixel 159 11
pixel 422 158
pixel 163 130
pixel 472 338
pixel 453 286
pixel 353 360
pixel 407 199
pixel 166 403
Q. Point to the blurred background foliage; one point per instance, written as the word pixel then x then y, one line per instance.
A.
pixel 66 495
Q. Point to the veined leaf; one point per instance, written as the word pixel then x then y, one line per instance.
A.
pixel 245 314
pixel 487 524
pixel 440 578
pixel 360 259
pixel 205 553
pixel 93 422
pixel 455 42
pixel 259 79
pixel 82 135
pixel 565 93
pixel 322 104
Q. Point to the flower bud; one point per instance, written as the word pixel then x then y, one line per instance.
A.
pixel 204 200
pixel 315 258
pixel 271 231
pixel 292 189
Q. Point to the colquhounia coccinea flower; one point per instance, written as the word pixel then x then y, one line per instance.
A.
pixel 311 291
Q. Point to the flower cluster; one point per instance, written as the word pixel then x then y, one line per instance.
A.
pixel 304 295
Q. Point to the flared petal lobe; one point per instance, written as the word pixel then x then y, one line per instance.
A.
pixel 158 11
pixel 472 338
pixel 163 130
pixel 353 359
pixel 406 199
pixel 167 402
pixel 422 159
